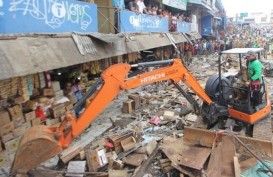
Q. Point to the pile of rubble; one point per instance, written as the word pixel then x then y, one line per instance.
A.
pixel 155 137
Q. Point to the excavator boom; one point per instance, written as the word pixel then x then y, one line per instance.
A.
pixel 41 142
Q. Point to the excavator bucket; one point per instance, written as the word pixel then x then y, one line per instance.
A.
pixel 36 146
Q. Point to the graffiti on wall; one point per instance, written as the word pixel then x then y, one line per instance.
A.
pixel 53 12
pixel 47 16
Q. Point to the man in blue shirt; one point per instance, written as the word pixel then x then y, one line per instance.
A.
pixel 119 4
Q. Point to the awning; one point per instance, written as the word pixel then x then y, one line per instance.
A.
pixel 211 13
pixel 194 35
pixel 28 55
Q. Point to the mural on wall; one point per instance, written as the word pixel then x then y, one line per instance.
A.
pixel 132 22
pixel 47 16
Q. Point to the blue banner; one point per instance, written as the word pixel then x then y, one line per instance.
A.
pixel 183 26
pixel 206 25
pixel 133 22
pixel 47 16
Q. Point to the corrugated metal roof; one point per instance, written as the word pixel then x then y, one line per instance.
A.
pixel 85 44
pixel 28 55
pixel 194 35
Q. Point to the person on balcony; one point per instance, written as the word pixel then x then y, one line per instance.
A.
pixel 132 6
pixel 174 22
pixel 141 7
pixel 187 19
pixel 119 5
pixel 165 13
pixel 154 10
pixel 160 12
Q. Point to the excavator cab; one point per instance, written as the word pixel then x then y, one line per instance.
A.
pixel 224 89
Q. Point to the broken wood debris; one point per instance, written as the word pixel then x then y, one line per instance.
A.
pixel 135 147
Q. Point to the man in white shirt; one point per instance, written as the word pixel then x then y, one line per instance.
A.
pixel 141 6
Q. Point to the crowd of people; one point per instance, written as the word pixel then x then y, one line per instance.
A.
pixel 154 9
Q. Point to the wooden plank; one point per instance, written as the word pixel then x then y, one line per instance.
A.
pixel 194 157
pixel 68 155
pixel 183 170
pixel 134 159
pixel 139 172
pixel 167 169
pixel 118 173
pixel 237 168
pixel 262 148
pixel 92 159
pixel 164 160
pixel 247 164
pixel 215 161
pixel 128 144
pixel 228 152
pixel 172 147
pixel 76 167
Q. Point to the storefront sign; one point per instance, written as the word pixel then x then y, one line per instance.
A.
pixel 183 26
pixel 179 4
pixel 133 22
pixel 47 16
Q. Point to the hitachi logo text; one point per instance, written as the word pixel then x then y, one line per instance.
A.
pixel 152 78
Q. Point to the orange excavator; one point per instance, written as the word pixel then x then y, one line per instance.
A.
pixel 41 142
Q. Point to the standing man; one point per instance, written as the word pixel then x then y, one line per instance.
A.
pixel 132 6
pixel 254 67
pixel 141 7
pixel 119 5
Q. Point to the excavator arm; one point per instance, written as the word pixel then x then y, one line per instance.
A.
pixel 41 142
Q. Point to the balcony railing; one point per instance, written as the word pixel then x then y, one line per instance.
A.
pixel 112 20
pixel 133 22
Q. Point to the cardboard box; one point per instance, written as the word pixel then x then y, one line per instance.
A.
pixel 68 106
pixel 11 156
pixel 51 122
pixel 19 100
pixel 56 86
pixel 72 98
pixel 57 111
pixel 47 92
pixel 59 94
pixel 96 158
pixel 137 101
pixel 6 128
pixel 19 121
pixel 27 124
pixel 36 121
pixel 4 160
pixel 4 118
pixel 30 116
pixel 62 118
pixel 19 131
pixel 12 145
pixel 7 137
pixel 15 112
